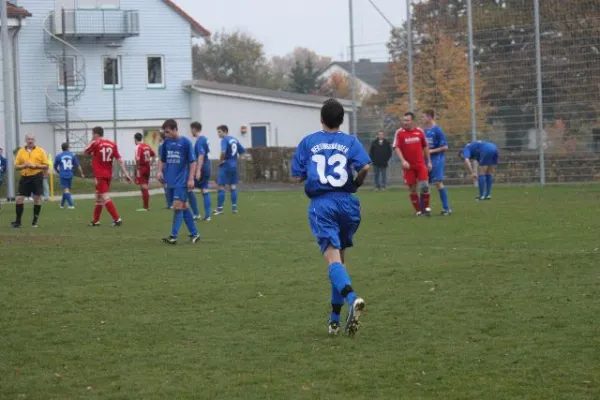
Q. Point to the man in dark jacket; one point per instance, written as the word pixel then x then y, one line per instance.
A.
pixel 380 153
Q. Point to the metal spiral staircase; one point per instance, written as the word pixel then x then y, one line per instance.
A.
pixel 57 104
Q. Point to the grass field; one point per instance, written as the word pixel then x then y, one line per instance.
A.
pixel 499 301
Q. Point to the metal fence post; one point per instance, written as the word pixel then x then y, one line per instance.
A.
pixel 472 72
pixel 353 71
pixel 8 98
pixel 538 73
pixel 411 94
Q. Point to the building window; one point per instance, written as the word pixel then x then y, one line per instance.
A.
pixel 112 68
pixel 156 71
pixel 68 65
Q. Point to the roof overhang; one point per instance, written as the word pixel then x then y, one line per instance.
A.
pixel 198 31
pixel 269 96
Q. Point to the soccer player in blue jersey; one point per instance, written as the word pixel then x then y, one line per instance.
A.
pixel 228 172
pixel 202 175
pixel 179 163
pixel 486 155
pixel 325 160
pixel 438 145
pixel 3 163
pixel 63 165
pixel 169 200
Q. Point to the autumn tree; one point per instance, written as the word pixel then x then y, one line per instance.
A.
pixel 236 58
pixel 304 78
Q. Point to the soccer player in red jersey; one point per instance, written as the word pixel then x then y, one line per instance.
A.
pixel 103 153
pixel 413 151
pixel 144 157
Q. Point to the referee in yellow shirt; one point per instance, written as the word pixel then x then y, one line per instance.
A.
pixel 32 162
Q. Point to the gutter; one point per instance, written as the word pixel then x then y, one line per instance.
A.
pixel 17 84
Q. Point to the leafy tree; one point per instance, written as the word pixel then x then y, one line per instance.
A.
pixel 304 77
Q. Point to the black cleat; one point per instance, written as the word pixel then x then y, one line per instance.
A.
pixel 194 238
pixel 487 198
pixel 334 327
pixel 15 224
pixel 446 213
pixel 427 212
pixel 117 223
pixel 34 224
pixel 94 224
pixel 170 240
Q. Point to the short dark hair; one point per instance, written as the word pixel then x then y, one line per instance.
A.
pixel 170 124
pixel 196 125
pixel 430 113
pixel 223 128
pixel 138 136
pixel 64 146
pixel 410 114
pixel 332 113
pixel 98 130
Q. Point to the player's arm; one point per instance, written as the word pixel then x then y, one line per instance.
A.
pixel 191 173
pixel 122 165
pixel 20 161
pixel 405 163
pixel 361 162
pixel 426 152
pixel 44 165
pixel 441 144
pixel 162 159
pixel 56 164
pixel 241 149
pixel 466 154
pixel 78 164
pixel 299 164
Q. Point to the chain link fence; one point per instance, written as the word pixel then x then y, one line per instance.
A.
pixel 534 88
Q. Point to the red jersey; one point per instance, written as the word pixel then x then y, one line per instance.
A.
pixel 411 144
pixel 103 153
pixel 144 155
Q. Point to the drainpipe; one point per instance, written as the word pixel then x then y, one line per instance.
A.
pixel 16 84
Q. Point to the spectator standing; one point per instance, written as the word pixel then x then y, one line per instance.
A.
pixel 380 153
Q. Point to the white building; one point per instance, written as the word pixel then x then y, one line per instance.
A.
pixel 256 117
pixel 369 74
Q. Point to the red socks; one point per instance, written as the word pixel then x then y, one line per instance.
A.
pixel 112 210
pixel 414 199
pixel 425 197
pixel 97 212
pixel 146 198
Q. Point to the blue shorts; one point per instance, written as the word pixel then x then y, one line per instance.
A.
pixel 204 178
pixel 334 219
pixel 488 156
pixel 227 176
pixel 65 183
pixel 437 171
pixel 179 194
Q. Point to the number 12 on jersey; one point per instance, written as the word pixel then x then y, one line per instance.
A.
pixel 338 162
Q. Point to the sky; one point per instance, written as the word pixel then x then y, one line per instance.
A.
pixel 321 25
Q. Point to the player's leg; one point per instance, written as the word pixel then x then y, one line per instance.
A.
pixel 204 179
pixel 490 166
pixel 145 197
pixel 168 196
pixel 193 202
pixel 23 190
pixel 38 191
pixel 222 182
pixel 108 203
pixel 188 218
pixel 99 203
pixel 178 206
pixel 425 195
pixel 233 181
pixel 410 179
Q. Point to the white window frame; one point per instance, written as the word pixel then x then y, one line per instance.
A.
pixel 59 74
pixel 161 85
pixel 119 73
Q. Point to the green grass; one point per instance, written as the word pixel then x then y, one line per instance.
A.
pixel 499 301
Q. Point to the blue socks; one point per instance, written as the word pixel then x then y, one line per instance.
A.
pixel 193 203
pixel 234 198
pixel 337 301
pixel 207 204
pixel 340 281
pixel 177 221
pixel 189 221
pixel 220 199
pixel 489 181
pixel 444 199
pixel 66 197
pixel 481 185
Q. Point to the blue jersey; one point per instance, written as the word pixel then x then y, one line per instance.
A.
pixel 3 162
pixel 177 155
pixel 201 148
pixel 232 149
pixel 475 150
pixel 327 160
pixel 64 164
pixel 436 139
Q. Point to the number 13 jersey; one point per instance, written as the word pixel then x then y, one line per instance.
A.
pixel 327 161
pixel 103 153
